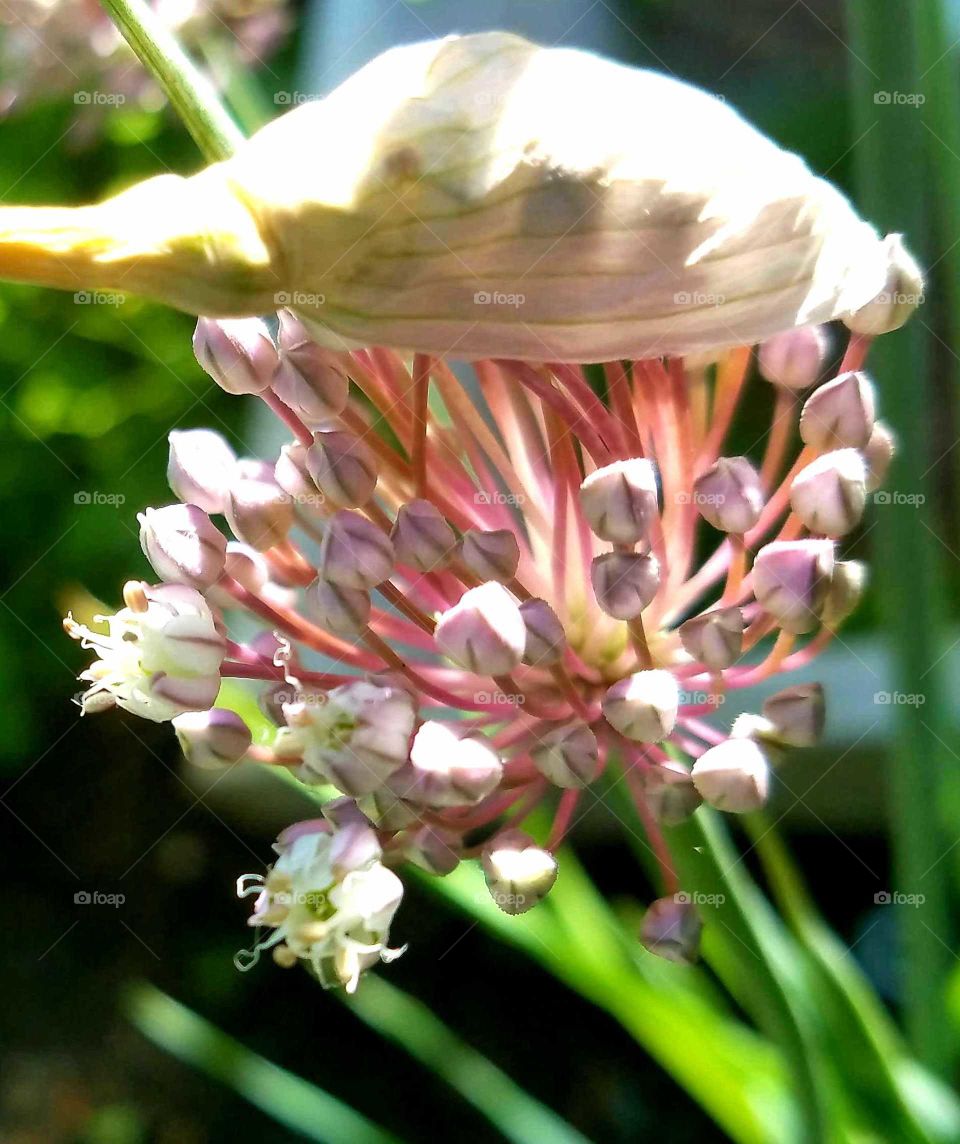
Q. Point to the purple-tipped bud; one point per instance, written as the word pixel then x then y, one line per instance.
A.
pixel 733 776
pixel 546 640
pixel 238 353
pixel 791 579
pixel 183 545
pixel 671 929
pixel 670 792
pixel 258 510
pixel 291 474
pixel 568 755
pixel 200 468
pixel 343 468
pixel 490 555
pixel 435 850
pixel 879 452
pixel 354 552
pixel 840 414
pixel 484 632
pixel 212 739
pixel 643 707
pixel 447 767
pixel 620 501
pixel 354 845
pixel 624 583
pixel 421 536
pixel 271 702
pixel 518 873
pixel 338 609
pixel 715 638
pixel 797 714
pixel 794 358
pixel 389 812
pixel 901 295
pixel 729 495
pixel 829 495
pixel 308 378
pixel 846 589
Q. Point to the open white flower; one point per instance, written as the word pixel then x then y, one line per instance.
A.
pixel 160 656
pixel 336 917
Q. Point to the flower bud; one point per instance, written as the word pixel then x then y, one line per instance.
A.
pixel 546 640
pixel 733 776
pixel 670 792
pixel 671 929
pixel 729 495
pixel 354 846
pixel 447 767
pixel 714 638
pixel 492 554
pixel 797 714
pixel 879 452
pixel 840 414
pixel 846 588
pixel 620 500
pixel 183 545
pixel 433 849
pixel 643 707
pixel 421 536
pixel 901 295
pixel 212 739
pixel 568 755
pixel 518 873
pixel 484 632
pixel 257 509
pixel 343 468
pixel 793 358
pixel 308 378
pixel 791 579
pixel 624 583
pixel 354 552
pixel 829 495
pixel 272 699
pixel 238 353
pixel 291 474
pixel 389 812
pixel 338 609
pixel 200 467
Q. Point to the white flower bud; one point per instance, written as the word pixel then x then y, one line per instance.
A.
pixel 840 414
pixel 212 739
pixel 879 452
pixel 308 378
pixel 624 583
pixel 729 495
pixel 338 609
pixel 354 552
pixel 238 353
pixel 797 714
pixel 484 632
pixel 620 501
pixel 183 545
pixel 847 585
pixel 546 640
pixel 568 755
pixel 257 509
pixel 900 296
pixel 433 849
pixel 791 579
pixel 492 554
pixel 714 638
pixel 200 468
pixel 343 468
pixel 447 767
pixel 518 873
pixel 829 495
pixel 794 358
pixel 643 707
pixel 421 536
pixel 733 776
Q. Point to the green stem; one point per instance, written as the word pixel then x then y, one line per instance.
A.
pixel 188 90
pixel 891 158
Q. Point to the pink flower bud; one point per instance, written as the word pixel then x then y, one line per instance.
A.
pixel 354 845
pixel 643 707
pixel 568 755
pixel 354 552
pixel 338 609
pixel 879 452
pixel 715 638
pixel 846 588
pixel 794 358
pixel 797 714
pixel 671 929
pixel 447 767
pixel 829 495
pixel 238 353
pixel 484 632
pixel 258 510
pixel 343 468
pixel 624 583
pixel 308 378
pixel 670 792
pixel 490 555
pixel 518 873
pixel 839 414
pixel 291 474
pixel 901 295
pixel 791 579
pixel 200 467
pixel 729 495
pixel 421 536
pixel 183 545
pixel 620 501
pixel 212 739
pixel 433 849
pixel 546 640
pixel 733 776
